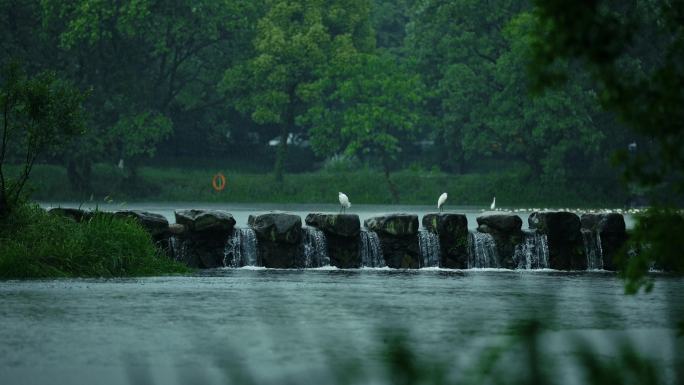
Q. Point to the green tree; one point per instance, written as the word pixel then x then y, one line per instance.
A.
pixel 368 105
pixel 39 114
pixel 291 50
pixel 142 59
pixel 472 57
pixel 633 54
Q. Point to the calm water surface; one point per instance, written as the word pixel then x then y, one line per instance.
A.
pixel 277 325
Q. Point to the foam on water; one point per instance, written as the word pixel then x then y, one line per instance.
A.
pixel 241 248
pixel 533 251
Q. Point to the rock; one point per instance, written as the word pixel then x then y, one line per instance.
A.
pixel 452 230
pixel 155 224
pixel 204 235
pixel 501 222
pixel 562 229
pixel 342 235
pixel 344 225
pixel 612 230
pixel 394 224
pixel 506 229
pixel 398 235
pixel 177 229
pixel 279 239
pixel 206 220
pixel 277 227
pixel 77 215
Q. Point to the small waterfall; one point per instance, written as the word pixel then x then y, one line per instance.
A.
pixel 241 248
pixel 315 248
pixel 533 252
pixel 371 252
pixel 429 248
pixel 178 248
pixel 593 249
pixel 481 250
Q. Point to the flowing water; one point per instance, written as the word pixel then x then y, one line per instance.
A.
pixel 593 249
pixel 179 248
pixel 370 249
pixel 297 326
pixel 429 248
pixel 315 248
pixel 481 251
pixel 241 248
pixel 533 251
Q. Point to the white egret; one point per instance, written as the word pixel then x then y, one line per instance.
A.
pixel 344 201
pixel 441 200
pixel 493 205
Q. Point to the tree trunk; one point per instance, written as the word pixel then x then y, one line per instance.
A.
pixel 4 207
pixel 390 184
pixel 281 154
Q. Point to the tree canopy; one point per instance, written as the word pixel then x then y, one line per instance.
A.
pixel 283 85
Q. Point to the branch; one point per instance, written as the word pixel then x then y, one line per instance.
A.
pixel 5 136
pixel 483 56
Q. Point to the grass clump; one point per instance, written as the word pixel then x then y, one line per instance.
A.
pixel 35 244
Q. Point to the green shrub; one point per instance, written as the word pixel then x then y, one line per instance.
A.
pixel 35 244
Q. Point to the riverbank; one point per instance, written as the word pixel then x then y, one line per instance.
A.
pixel 364 186
pixel 35 244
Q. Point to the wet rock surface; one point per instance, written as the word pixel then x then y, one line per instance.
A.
pixel 562 228
pixel 155 224
pixel 342 234
pixel 452 230
pixel 205 220
pixel 203 236
pixel 344 225
pixel 398 235
pixel 506 229
pixel 612 230
pixel 393 224
pixel 279 239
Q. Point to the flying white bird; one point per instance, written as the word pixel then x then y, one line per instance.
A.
pixel 441 200
pixel 344 201
pixel 493 205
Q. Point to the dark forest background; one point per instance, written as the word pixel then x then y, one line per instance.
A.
pixel 395 89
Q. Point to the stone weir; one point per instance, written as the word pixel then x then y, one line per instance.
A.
pixel 398 235
pixel 565 242
pixel 604 236
pixel 556 239
pixel 342 233
pixel 452 231
pixel 506 229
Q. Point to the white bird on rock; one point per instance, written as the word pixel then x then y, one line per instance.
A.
pixel 344 201
pixel 441 200
pixel 493 205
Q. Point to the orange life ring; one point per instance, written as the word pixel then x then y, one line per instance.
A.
pixel 218 182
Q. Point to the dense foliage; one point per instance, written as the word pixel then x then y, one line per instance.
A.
pixel 35 244
pixel 633 54
pixel 393 83
pixel 39 114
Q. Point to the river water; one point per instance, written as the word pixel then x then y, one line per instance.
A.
pixel 299 326
pixel 242 211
